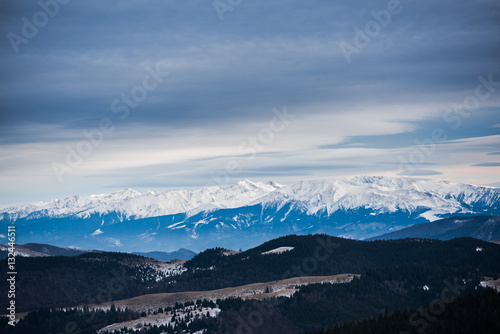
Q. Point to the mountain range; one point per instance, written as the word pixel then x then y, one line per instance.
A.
pixel 181 254
pixel 44 250
pixel 39 250
pixel 245 214
pixel 130 204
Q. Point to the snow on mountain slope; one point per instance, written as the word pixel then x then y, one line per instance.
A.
pixel 247 213
pixel 383 195
pixel 376 194
pixel 132 204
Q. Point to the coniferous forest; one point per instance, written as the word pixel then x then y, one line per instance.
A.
pixel 406 285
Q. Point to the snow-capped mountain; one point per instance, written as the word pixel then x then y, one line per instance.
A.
pixel 129 203
pixel 384 195
pixel 247 213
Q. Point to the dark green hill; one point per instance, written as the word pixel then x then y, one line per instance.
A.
pixel 472 313
pixel 375 293
pixel 480 227
pixel 90 277
pixel 84 279
pixel 316 255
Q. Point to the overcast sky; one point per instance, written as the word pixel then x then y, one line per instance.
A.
pixel 97 96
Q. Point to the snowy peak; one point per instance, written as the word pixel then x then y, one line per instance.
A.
pixel 431 199
pixel 125 193
pixel 252 186
pixel 129 203
pixel 359 208
pixel 247 184
pixel 383 195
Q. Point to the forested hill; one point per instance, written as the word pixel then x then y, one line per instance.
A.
pixel 326 255
pixel 471 313
pixel 480 227
pixel 68 281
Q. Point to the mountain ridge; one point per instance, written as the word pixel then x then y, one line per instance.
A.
pixel 131 204
pixel 344 194
pixel 181 254
pixel 357 208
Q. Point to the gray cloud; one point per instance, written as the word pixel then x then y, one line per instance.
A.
pixel 488 164
pixel 420 172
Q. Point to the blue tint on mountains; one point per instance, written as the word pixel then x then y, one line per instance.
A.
pixel 234 228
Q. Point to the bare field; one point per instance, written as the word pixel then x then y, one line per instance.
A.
pixel 495 284
pixel 251 291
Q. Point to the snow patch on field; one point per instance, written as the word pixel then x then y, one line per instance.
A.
pixel 229 252
pixel 278 250
pixel 160 270
pixel 183 314
pixel 494 284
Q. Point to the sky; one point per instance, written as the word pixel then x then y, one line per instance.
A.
pixel 98 96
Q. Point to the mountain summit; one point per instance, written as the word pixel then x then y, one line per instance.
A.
pixel 385 195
